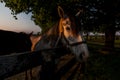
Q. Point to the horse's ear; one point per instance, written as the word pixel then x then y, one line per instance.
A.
pixel 30 34
pixel 60 12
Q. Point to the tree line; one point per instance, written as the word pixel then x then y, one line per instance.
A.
pixel 97 15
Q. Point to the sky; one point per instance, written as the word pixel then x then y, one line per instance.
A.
pixel 22 24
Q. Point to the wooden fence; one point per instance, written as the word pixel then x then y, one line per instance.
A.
pixel 13 64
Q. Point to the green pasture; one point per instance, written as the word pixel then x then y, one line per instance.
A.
pixel 101 39
pixel 101 66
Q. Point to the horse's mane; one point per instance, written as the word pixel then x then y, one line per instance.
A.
pixel 54 30
pixel 51 34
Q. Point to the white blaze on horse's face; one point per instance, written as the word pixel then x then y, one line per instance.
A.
pixel 66 23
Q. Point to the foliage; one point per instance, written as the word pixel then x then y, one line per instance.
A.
pixel 44 12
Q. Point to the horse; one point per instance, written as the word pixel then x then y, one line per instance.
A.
pixel 14 42
pixel 64 37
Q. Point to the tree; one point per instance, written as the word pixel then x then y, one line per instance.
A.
pixel 103 12
pixel 95 14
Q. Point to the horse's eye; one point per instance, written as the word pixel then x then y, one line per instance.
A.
pixel 64 24
pixel 68 22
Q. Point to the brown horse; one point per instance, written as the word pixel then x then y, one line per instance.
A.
pixel 66 34
pixel 34 40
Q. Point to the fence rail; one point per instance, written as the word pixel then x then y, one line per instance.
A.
pixel 13 64
pixel 16 63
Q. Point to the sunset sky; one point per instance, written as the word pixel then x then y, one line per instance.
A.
pixel 23 24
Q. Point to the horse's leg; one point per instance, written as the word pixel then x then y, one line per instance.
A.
pixel 26 76
pixel 83 66
pixel 31 74
pixel 81 70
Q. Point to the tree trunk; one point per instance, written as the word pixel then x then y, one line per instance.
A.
pixel 109 37
pixel 87 34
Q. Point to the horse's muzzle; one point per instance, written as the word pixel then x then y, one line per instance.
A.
pixel 67 28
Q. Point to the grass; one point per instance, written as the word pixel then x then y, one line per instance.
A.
pixel 117 43
pixel 100 40
pixel 102 66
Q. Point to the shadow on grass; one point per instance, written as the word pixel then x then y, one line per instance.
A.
pixel 102 66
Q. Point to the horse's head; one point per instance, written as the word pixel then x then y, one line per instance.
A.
pixel 66 34
pixel 71 36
